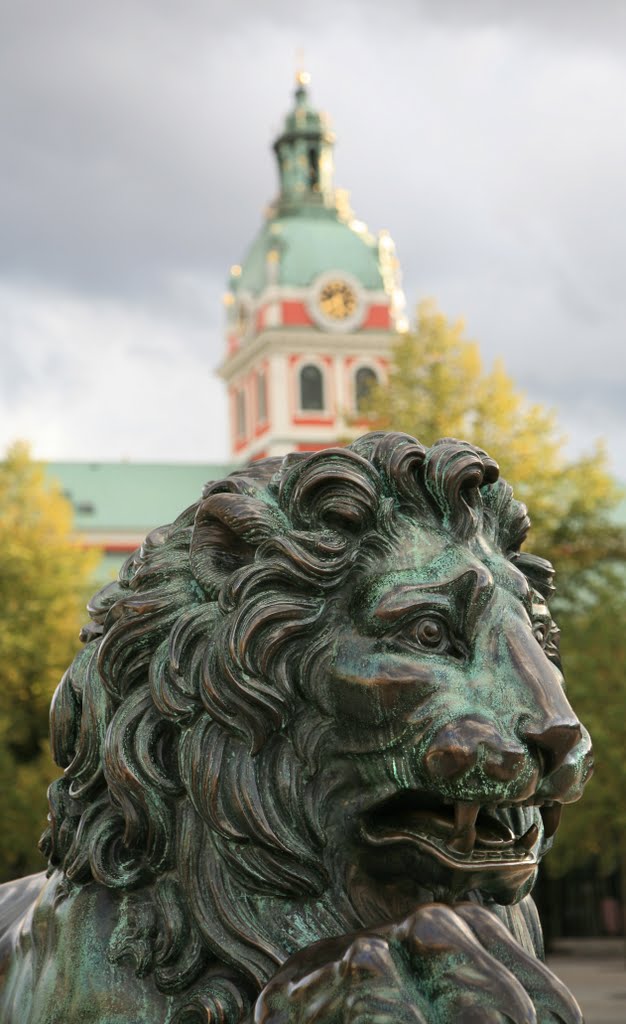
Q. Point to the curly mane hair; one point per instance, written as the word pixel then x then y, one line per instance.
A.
pixel 189 750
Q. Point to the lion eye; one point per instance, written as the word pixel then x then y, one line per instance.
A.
pixel 430 633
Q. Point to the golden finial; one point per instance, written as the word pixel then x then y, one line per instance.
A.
pixel 303 77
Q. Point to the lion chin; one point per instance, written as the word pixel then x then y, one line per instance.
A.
pixel 328 694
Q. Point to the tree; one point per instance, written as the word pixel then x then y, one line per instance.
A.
pixel 437 387
pixel 596 669
pixel 595 828
pixel 44 581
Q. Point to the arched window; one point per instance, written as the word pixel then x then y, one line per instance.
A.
pixel 365 379
pixel 311 388
pixel 314 168
pixel 261 396
pixel 241 414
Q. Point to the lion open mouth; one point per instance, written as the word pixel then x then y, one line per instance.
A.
pixel 463 835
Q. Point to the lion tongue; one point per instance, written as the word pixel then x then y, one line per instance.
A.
pixel 463 838
pixel 419 821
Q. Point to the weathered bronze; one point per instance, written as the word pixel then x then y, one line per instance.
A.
pixel 314 747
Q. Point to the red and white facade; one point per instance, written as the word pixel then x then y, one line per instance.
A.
pixel 313 312
pixel 277 403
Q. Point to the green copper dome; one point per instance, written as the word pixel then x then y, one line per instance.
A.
pixel 305 248
pixel 310 229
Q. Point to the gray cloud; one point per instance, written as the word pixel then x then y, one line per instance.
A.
pixel 487 137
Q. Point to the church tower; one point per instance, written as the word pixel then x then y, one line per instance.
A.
pixel 313 309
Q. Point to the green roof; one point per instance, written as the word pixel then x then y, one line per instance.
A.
pixel 131 496
pixel 310 245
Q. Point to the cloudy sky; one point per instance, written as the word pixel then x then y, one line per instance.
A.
pixel 487 136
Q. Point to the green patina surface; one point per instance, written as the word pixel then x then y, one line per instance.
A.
pixel 326 698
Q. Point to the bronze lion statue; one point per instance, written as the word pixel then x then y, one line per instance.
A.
pixel 314 747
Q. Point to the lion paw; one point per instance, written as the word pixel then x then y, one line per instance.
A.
pixel 455 965
pixel 363 986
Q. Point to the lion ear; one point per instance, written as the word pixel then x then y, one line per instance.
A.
pixel 227 531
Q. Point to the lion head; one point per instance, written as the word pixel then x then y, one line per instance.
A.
pixel 328 691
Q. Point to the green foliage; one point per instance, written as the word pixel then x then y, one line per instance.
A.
pixel 438 387
pixel 596 672
pixel 44 580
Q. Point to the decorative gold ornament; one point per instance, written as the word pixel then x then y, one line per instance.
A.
pixel 337 300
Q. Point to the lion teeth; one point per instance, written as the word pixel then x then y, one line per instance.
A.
pixel 528 840
pixel 551 816
pixel 465 815
pixel 463 838
pixel 462 843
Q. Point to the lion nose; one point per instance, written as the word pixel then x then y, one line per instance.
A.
pixel 463 745
pixel 555 742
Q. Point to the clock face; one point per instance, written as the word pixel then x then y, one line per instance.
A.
pixel 337 300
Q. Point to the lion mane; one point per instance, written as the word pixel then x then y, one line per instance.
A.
pixel 190 752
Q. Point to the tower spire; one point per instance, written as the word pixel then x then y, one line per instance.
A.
pixel 311 312
pixel 303 78
pixel 304 152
